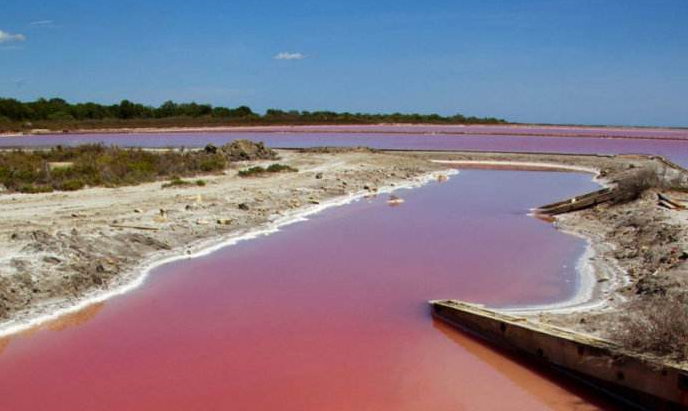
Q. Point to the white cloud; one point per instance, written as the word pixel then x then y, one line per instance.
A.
pixel 289 56
pixel 45 24
pixel 6 37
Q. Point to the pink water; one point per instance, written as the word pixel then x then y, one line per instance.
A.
pixel 672 144
pixel 330 314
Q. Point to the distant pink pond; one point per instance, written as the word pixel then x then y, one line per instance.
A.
pixel 329 314
pixel 671 143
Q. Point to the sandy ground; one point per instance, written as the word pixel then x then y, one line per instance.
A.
pixel 62 248
pixel 640 250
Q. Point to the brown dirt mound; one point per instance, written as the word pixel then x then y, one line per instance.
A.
pixel 246 150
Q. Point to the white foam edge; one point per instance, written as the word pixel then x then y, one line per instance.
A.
pixel 138 275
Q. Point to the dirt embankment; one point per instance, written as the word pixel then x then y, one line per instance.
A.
pixel 648 242
pixel 58 247
pixel 638 234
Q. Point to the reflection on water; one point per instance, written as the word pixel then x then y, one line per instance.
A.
pixel 74 319
pixel 539 380
pixel 68 320
pixel 331 314
pixel 4 342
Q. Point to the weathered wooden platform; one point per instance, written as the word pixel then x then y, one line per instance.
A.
pixel 644 381
pixel 578 203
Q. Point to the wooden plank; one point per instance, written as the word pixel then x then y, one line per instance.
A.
pixel 578 203
pixel 648 380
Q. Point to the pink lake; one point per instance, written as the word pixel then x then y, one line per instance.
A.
pixel 329 314
pixel 670 143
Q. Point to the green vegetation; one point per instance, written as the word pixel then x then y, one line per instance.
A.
pixel 253 171
pixel 69 169
pixel 273 168
pixel 278 168
pixel 57 114
pixel 178 182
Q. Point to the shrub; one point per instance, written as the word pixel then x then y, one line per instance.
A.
pixel 273 168
pixel 213 163
pixel 60 115
pixel 96 165
pixel 32 189
pixel 278 168
pixel 71 185
pixel 176 182
pixel 253 171
pixel 656 324
pixel 632 186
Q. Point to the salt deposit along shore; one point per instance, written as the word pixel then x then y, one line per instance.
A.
pixel 63 250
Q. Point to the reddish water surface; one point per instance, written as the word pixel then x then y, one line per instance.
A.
pixel 330 314
pixel 672 144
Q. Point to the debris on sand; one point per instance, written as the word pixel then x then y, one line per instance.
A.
pixel 394 201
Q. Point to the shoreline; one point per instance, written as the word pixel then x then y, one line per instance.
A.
pixel 525 166
pixel 138 275
pixel 589 292
pixel 421 128
pixel 631 245
pixel 604 275
pixel 633 249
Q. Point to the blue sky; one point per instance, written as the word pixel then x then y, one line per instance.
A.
pixel 555 61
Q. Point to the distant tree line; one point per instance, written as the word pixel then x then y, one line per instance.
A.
pixel 59 110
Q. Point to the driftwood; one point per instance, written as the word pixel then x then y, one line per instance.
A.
pixel 578 203
pixel 668 202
